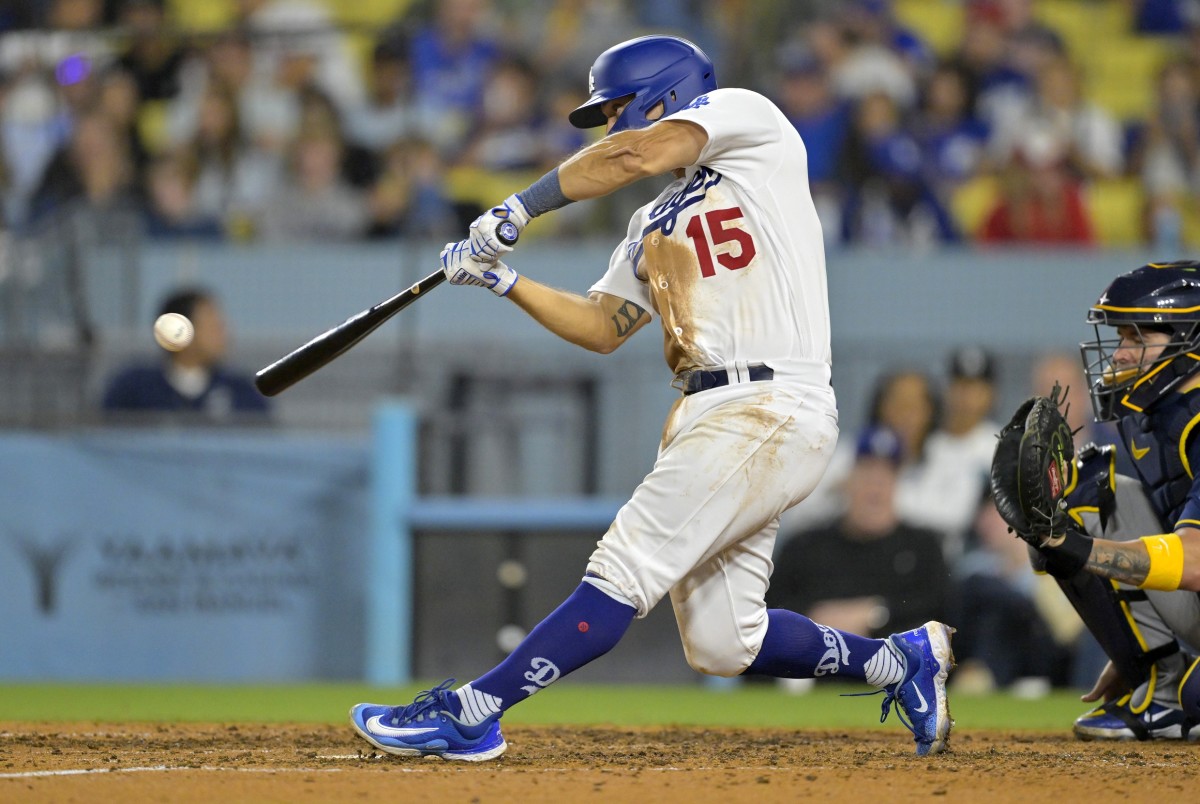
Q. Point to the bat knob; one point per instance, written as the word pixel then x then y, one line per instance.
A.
pixel 507 233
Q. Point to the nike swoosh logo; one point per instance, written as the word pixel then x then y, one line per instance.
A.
pixel 924 707
pixel 1138 454
pixel 375 726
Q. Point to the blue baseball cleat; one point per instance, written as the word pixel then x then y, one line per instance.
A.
pixel 921 693
pixel 1115 720
pixel 426 727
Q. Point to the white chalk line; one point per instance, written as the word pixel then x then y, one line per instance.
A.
pixel 437 767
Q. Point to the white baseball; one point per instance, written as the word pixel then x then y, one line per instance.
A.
pixel 173 331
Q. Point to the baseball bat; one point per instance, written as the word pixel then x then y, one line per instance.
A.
pixel 333 343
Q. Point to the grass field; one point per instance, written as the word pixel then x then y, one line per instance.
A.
pixel 754 705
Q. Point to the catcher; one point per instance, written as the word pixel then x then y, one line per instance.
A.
pixel 1125 550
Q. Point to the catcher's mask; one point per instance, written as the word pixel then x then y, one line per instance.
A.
pixel 1159 297
pixel 647 70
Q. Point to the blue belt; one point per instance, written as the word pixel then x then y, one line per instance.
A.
pixel 702 380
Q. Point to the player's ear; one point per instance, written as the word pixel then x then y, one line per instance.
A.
pixel 656 111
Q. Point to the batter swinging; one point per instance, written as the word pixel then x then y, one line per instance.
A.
pixel 730 258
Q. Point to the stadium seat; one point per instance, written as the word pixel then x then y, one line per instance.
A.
pixel 1123 80
pixel 938 22
pixel 972 202
pixel 201 16
pixel 1116 207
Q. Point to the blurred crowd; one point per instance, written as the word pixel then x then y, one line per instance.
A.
pixel 309 119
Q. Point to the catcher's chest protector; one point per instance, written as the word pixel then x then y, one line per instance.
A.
pixel 1153 440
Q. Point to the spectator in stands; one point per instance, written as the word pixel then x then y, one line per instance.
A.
pixel 451 58
pixel 823 121
pixel 408 198
pixel 860 67
pixel 318 112
pixel 193 384
pixel 300 44
pixel 944 495
pixel 1014 624
pixel 952 140
pixel 1165 153
pixel 268 108
pixel 1040 201
pixel 904 402
pixel 235 179
pixel 170 207
pixel 387 114
pixel 152 56
pixel 994 86
pixel 889 200
pixel 506 135
pixel 315 202
pixel 94 170
pixel 870 572
pixel 1090 137
pixel 119 101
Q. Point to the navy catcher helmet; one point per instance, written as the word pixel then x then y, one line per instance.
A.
pixel 1159 297
pixel 650 69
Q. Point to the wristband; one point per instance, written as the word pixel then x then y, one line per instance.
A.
pixel 1069 557
pixel 544 195
pixel 1166 562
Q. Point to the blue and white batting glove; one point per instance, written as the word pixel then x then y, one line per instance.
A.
pixel 463 267
pixel 483 229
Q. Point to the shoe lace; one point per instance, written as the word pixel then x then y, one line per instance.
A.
pixel 890 695
pixel 426 700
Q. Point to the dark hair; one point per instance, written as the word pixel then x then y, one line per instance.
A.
pixel 184 301
pixel 883 387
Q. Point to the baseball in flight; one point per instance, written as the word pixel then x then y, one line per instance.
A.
pixel 173 331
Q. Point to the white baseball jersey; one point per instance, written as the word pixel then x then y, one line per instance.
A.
pixel 731 256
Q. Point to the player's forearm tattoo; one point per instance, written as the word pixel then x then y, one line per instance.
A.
pixel 627 315
pixel 1121 562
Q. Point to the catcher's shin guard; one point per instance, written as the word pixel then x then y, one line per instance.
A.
pixel 1189 693
pixel 1133 636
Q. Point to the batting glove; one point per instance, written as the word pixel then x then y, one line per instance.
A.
pixel 483 229
pixel 463 267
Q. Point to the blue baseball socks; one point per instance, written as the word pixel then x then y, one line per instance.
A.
pixel 586 626
pixel 796 647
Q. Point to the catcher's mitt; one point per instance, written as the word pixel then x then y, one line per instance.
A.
pixel 1031 469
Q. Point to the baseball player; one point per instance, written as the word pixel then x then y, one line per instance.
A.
pixel 729 257
pixel 1128 556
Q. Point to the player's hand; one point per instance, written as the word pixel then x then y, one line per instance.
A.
pixel 483 229
pixel 464 267
pixel 1108 686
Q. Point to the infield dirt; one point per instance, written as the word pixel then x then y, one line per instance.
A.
pixel 192 762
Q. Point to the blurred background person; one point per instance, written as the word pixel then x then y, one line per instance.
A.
pixel 315 203
pixel 171 209
pixel 890 200
pixel 1017 632
pixel 235 178
pixel 958 453
pixel 193 384
pixel 1040 201
pixel 870 572
pixel 806 97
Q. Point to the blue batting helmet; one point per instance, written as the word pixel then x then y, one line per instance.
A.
pixel 650 69
pixel 1158 297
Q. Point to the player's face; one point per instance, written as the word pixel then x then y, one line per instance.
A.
pixel 1138 346
pixel 612 110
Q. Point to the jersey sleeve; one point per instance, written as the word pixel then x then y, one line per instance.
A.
pixel 741 126
pixel 621 279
